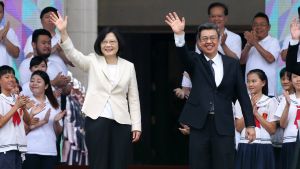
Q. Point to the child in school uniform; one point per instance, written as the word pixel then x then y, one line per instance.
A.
pixel 259 153
pixel 13 114
pixel 277 138
pixel 289 112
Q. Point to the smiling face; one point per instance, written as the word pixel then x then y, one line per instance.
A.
pixel 37 85
pixel 286 82
pixel 109 45
pixel 7 83
pixel 261 27
pixel 217 16
pixel 255 84
pixel 208 42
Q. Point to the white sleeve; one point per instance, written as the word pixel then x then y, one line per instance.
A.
pixel 186 82
pixel 179 40
pixel 238 110
pixel 236 46
pixel 12 37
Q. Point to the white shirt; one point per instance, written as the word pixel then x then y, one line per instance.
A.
pixel 233 42
pixel 285 45
pixel 52 70
pixel 54 57
pixel 217 65
pixel 256 61
pixel 266 108
pixel 11 137
pixel 113 73
pixel 6 58
pixel 42 140
pixel 290 132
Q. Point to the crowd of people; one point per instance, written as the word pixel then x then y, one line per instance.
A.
pixel 276 117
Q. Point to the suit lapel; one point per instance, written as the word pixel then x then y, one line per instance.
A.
pixel 226 68
pixel 103 66
pixel 120 70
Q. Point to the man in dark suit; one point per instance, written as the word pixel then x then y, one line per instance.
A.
pixel 293 66
pixel 217 82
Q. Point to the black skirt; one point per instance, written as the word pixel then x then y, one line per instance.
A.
pixel 255 156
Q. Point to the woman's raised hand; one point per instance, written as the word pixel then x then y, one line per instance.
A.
pixel 175 23
pixel 59 22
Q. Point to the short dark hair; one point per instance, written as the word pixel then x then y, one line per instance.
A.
pixel 218 4
pixel 48 9
pixel 261 15
pixel 48 91
pixel 6 70
pixel 284 72
pixel 36 61
pixel 207 26
pixel 36 33
pixel 102 36
pixel 263 77
pixel 2 4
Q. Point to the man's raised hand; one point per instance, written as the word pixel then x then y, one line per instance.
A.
pixel 175 23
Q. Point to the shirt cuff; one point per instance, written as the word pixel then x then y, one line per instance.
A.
pixel 294 42
pixel 179 40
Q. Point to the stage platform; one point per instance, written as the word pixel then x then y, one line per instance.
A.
pixel 131 167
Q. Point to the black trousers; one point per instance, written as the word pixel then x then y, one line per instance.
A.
pixel 34 161
pixel 108 143
pixel 210 150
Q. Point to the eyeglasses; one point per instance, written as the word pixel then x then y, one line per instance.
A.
pixel 111 42
pixel 206 38
pixel 260 24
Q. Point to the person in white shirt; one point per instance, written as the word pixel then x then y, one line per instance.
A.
pixel 41 140
pixel 41 43
pixel 261 50
pixel 57 55
pixel 230 43
pixel 9 43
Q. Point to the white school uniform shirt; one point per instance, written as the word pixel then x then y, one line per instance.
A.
pixel 11 137
pixel 266 108
pixel 53 57
pixel 42 140
pixel 290 132
pixel 6 58
pixel 256 61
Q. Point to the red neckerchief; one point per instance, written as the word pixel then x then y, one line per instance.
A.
pixel 16 117
pixel 297 116
pixel 264 116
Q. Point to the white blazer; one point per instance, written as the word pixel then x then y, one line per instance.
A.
pixel 100 89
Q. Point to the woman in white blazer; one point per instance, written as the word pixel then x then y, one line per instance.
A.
pixel 112 106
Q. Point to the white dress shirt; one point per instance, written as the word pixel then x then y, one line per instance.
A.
pixel 217 65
